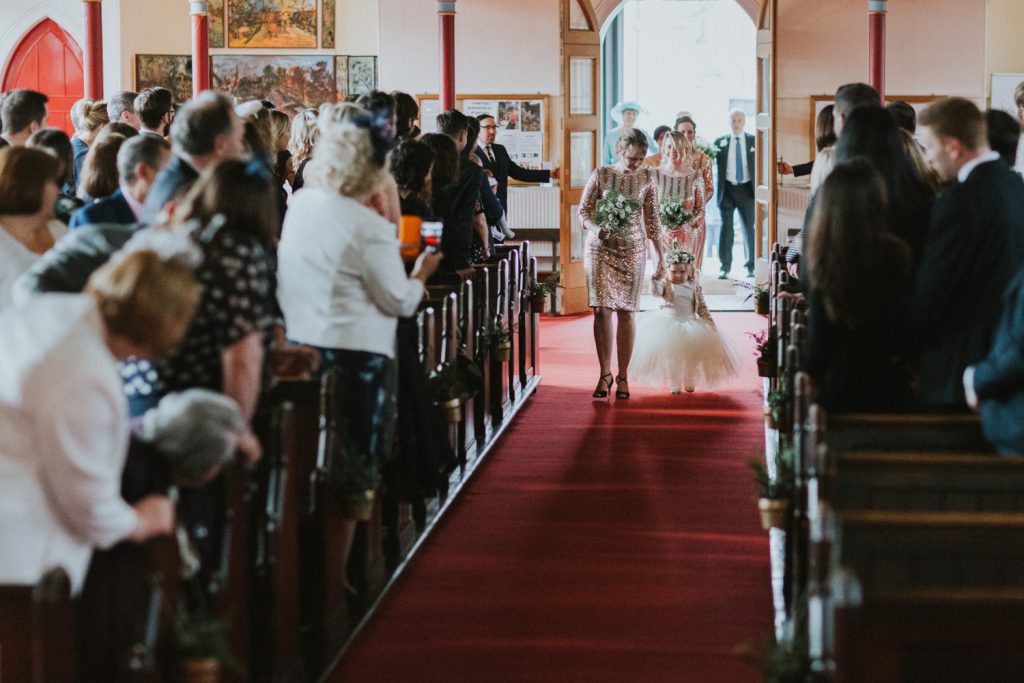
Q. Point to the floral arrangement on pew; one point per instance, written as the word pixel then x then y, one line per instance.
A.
pixel 497 339
pixel 614 211
pixel 767 348
pixel 452 383
pixel 537 292
pixel 673 213
pixel 761 294
pixel 705 146
pixel 201 645
pixel 774 493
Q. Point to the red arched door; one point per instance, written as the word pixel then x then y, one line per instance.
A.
pixel 49 60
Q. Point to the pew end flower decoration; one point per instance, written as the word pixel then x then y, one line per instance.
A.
pixel 614 212
pixel 673 214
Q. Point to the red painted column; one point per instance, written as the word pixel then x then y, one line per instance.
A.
pixel 93 49
pixel 446 28
pixel 200 46
pixel 876 42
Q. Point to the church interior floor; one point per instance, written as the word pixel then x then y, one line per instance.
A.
pixel 602 540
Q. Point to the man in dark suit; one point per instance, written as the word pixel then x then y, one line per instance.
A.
pixel 995 386
pixel 205 131
pixel 974 250
pixel 500 164
pixel 139 161
pixel 736 191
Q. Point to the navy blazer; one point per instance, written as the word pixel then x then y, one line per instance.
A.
pixel 973 251
pixel 722 145
pixel 504 168
pixel 999 379
pixel 112 209
pixel 171 178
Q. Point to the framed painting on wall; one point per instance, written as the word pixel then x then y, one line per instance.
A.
pixel 216 23
pixel 362 75
pixel 173 72
pixel 330 14
pixel 272 23
pixel 286 81
pixel 341 76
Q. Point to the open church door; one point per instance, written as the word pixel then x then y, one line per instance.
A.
pixel 581 45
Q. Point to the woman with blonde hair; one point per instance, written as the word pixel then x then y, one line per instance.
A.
pixel 91 119
pixel 304 134
pixel 342 287
pixel 681 186
pixel 64 418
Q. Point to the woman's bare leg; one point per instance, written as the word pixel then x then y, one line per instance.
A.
pixel 624 338
pixel 603 339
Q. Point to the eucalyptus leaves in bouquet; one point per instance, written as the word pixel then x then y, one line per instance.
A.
pixel 614 212
pixel 705 146
pixel 673 214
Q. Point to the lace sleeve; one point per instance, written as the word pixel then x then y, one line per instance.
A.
pixel 652 216
pixel 588 201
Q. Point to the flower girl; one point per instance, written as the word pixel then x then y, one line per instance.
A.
pixel 679 345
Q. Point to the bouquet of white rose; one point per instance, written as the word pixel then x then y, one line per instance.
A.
pixel 673 214
pixel 614 211
pixel 677 256
pixel 705 146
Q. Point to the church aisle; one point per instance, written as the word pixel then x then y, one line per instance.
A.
pixel 599 542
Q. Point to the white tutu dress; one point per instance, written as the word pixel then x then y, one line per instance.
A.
pixel 679 346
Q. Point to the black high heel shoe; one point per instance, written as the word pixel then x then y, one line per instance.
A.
pixel 603 385
pixel 619 393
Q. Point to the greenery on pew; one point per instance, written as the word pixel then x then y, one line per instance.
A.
pixel 776 401
pixel 781 487
pixel 495 337
pixel 200 636
pixel 767 348
pixel 784 661
pixel 459 380
pixel 538 291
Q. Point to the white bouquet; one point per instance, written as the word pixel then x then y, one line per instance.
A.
pixel 673 214
pixel 614 211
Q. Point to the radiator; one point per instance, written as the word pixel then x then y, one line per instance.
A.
pixel 534 207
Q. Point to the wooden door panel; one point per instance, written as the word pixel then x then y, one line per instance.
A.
pixel 49 60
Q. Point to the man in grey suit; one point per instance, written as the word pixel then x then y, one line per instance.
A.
pixel 736 191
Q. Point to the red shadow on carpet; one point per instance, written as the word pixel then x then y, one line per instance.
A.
pixel 601 541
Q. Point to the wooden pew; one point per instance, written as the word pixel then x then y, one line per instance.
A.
pixel 275 613
pixel 920 596
pixel 466 325
pixel 529 331
pixel 37 642
pixel 482 413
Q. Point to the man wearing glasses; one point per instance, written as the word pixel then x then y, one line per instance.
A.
pixel 500 165
pixel 155 109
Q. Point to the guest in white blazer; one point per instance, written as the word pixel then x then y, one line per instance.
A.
pixel 64 418
pixel 342 287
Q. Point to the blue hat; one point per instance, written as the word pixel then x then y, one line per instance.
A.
pixel 629 105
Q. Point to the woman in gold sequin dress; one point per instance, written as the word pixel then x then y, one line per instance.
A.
pixel 614 264
pixel 681 178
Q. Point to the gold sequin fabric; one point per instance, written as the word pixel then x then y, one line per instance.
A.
pixel 615 267
pixel 688 186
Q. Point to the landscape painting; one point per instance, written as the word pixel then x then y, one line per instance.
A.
pixel 362 75
pixel 330 16
pixel 216 31
pixel 285 81
pixel 173 72
pixel 272 23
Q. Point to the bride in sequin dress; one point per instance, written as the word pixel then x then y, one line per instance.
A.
pixel 614 264
pixel 681 178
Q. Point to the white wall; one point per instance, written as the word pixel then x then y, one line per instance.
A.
pixel 501 47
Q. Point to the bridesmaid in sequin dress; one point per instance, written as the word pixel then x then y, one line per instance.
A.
pixel 614 265
pixel 688 127
pixel 680 178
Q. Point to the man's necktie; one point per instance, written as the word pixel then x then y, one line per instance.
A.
pixel 739 162
pixel 490 153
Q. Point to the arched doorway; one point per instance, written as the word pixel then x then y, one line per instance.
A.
pixel 49 60
pixel 581 45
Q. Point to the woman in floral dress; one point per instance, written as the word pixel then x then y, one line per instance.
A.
pixel 614 260
pixel 681 179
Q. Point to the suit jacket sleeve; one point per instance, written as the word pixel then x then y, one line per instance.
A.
pixel 941 265
pixel 1002 372
pixel 803 169
pixel 526 175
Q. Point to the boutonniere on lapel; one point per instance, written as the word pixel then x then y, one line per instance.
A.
pixel 752 149
pixel 723 144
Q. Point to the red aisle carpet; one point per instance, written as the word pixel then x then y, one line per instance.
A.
pixel 601 541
